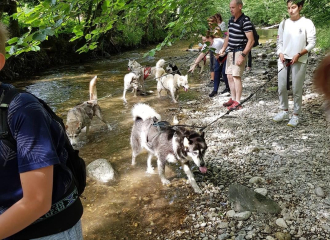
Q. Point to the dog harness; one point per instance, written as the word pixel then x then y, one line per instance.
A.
pixel 146 72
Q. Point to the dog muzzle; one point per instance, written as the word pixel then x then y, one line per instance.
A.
pixel 185 89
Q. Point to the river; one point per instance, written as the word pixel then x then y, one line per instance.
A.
pixel 136 205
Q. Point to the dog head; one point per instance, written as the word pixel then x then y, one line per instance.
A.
pixel 132 64
pixel 73 129
pixel 183 82
pixel 195 147
pixel 172 68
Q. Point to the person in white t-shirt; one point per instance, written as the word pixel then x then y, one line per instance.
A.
pixel 296 38
pixel 215 45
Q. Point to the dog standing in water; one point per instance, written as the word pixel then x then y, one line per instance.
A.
pixel 172 83
pixel 81 115
pixel 168 143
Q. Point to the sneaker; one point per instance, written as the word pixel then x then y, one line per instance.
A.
pixel 294 121
pixel 235 106
pixel 282 116
pixel 211 83
pixel 226 90
pixel 212 94
pixel 229 103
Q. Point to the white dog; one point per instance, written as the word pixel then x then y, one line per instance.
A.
pixel 131 80
pixel 171 83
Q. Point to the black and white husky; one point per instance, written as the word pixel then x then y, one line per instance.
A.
pixel 168 143
pixel 172 68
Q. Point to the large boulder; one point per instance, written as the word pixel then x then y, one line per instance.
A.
pixel 245 199
pixel 101 171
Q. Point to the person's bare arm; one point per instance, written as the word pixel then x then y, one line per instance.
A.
pixel 224 46
pixel 37 188
pixel 198 59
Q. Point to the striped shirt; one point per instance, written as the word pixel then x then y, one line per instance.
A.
pixel 237 37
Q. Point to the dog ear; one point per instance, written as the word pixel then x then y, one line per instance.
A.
pixel 186 142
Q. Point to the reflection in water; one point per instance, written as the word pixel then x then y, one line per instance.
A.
pixel 136 206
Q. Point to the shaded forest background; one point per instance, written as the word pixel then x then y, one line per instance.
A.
pixel 52 32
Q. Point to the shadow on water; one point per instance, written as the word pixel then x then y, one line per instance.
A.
pixel 137 205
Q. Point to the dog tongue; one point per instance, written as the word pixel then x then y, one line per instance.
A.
pixel 128 69
pixel 185 89
pixel 203 169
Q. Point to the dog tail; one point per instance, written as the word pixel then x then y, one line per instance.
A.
pixel 160 63
pixel 159 72
pixel 144 111
pixel 92 89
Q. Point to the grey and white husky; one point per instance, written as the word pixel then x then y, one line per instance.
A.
pixel 81 115
pixel 168 143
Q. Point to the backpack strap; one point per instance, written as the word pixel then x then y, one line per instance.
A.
pixel 5 133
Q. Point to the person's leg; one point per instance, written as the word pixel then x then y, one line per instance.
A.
pixel 217 71
pixel 282 93
pixel 238 88
pixel 282 86
pixel 211 65
pixel 224 75
pixel 298 78
pixel 73 233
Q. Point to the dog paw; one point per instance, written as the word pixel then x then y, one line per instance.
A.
pixel 166 182
pixel 109 127
pixel 197 190
pixel 150 170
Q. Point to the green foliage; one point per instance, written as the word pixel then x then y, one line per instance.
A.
pixel 131 22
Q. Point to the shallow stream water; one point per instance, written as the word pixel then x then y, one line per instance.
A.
pixel 136 205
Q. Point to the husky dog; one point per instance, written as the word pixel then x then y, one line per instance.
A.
pixel 172 68
pixel 131 80
pixel 172 83
pixel 168 143
pixel 145 71
pixel 81 115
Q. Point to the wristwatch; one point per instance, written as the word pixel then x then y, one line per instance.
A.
pixel 244 55
pixel 299 54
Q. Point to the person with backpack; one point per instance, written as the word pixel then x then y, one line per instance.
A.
pixel 238 43
pixel 296 38
pixel 39 197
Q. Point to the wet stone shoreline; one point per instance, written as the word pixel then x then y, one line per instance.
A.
pixel 287 165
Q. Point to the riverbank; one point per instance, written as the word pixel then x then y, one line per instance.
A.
pixel 292 163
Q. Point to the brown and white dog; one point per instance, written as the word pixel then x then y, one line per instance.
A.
pixel 168 143
pixel 81 115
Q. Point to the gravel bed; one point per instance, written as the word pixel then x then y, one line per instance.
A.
pixel 292 162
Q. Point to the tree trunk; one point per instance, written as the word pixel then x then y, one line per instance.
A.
pixel 10 7
pixel 13 23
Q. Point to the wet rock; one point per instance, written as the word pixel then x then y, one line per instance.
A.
pixel 283 236
pixel 245 199
pixel 101 170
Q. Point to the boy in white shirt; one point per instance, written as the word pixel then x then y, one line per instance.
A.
pixel 296 37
